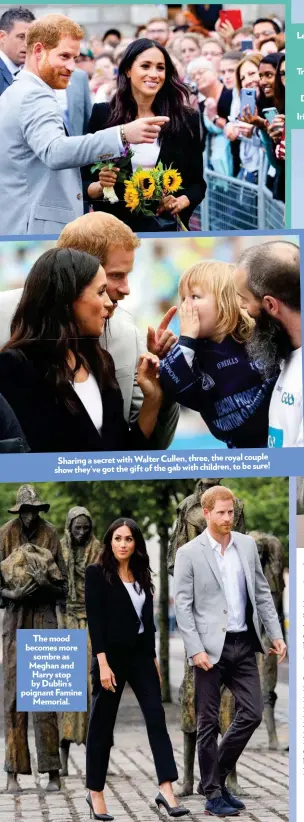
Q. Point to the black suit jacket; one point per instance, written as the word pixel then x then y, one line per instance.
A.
pixel 6 78
pixel 184 151
pixel 112 620
pixel 48 425
pixel 12 439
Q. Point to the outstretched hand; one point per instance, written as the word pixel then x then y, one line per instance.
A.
pixel 160 341
pixel 19 592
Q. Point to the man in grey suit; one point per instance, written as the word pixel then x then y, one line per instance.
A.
pixel 40 181
pixel 14 24
pixel 106 237
pixel 221 594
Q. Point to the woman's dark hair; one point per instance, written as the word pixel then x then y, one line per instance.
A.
pixel 139 561
pixel 263 101
pixel 172 100
pixel 44 326
pixel 279 89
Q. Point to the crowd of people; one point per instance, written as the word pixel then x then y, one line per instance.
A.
pixel 217 91
pixel 77 376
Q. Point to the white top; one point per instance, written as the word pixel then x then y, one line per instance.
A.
pixel 145 154
pixel 89 394
pixel 234 582
pixel 138 600
pixel 9 63
pixel 286 405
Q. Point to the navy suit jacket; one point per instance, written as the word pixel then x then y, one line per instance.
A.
pixel 6 78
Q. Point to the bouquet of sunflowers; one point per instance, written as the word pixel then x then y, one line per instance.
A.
pixel 147 187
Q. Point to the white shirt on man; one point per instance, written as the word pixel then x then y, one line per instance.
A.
pixel 234 583
pixel 9 63
pixel 138 600
pixel 286 405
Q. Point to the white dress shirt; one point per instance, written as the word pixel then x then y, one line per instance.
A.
pixel 138 599
pixel 234 583
pixel 9 64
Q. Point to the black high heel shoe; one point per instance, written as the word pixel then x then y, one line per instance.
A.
pixel 106 816
pixel 174 811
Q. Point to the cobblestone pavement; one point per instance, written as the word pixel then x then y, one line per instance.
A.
pixel 131 784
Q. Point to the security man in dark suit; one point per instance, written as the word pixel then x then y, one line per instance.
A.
pixel 14 24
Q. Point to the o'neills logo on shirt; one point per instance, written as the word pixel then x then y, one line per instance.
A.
pixel 225 363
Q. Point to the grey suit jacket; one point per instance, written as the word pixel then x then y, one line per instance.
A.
pixel 122 341
pixel 200 602
pixel 40 181
pixel 79 102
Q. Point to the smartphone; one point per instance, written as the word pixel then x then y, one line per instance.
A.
pixel 270 114
pixel 233 17
pixel 248 99
pixel 246 45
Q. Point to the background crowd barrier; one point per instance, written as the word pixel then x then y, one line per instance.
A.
pixel 233 204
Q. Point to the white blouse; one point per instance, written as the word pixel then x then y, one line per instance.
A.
pixel 138 600
pixel 89 394
pixel 145 154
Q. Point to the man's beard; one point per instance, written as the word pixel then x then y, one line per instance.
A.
pixel 50 75
pixel 269 344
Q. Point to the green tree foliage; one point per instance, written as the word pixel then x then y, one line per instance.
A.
pixel 153 502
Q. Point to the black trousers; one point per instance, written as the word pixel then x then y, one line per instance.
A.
pixel 237 669
pixel 137 667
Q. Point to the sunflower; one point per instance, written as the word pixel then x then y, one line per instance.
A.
pixel 131 196
pixel 146 182
pixel 172 180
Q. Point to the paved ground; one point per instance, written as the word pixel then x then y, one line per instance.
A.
pixel 131 785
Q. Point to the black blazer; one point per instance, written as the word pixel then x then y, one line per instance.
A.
pixel 183 151
pixel 112 620
pixel 48 425
pixel 12 439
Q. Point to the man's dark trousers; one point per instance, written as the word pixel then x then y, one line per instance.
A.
pixel 237 669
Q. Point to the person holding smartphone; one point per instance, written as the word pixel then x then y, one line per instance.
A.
pixel 265 119
pixel 244 213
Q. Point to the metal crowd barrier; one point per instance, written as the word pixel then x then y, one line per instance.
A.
pixel 232 204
